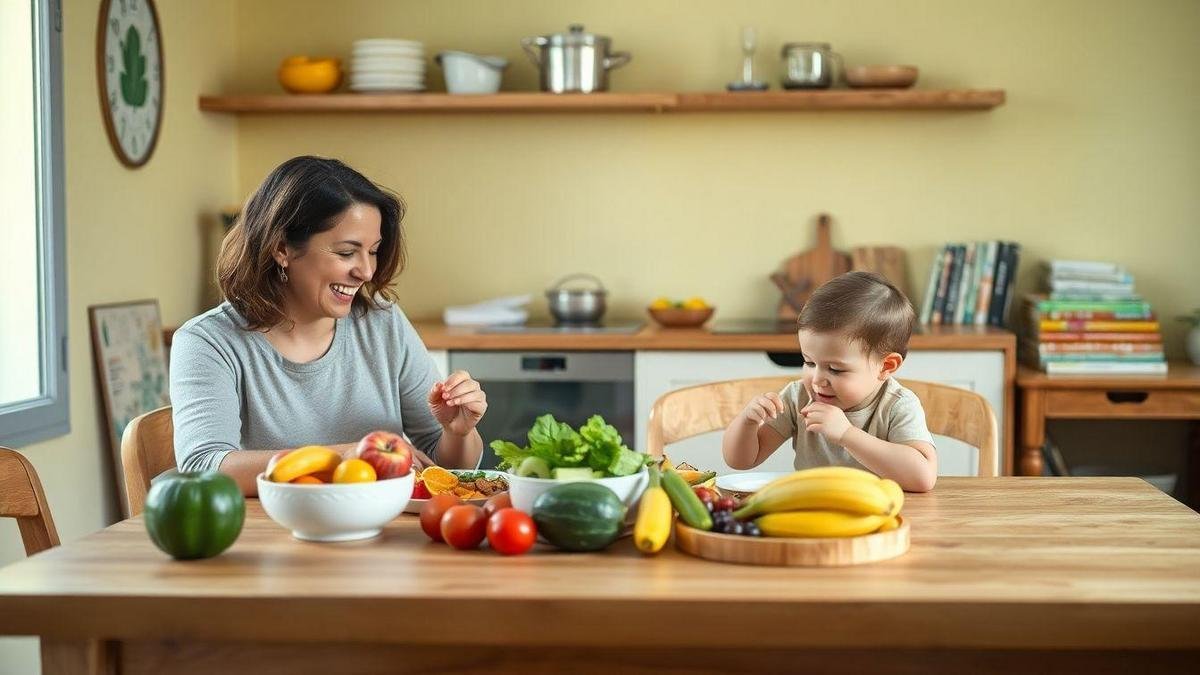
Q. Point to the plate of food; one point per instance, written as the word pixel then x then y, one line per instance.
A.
pixel 472 486
pixel 742 485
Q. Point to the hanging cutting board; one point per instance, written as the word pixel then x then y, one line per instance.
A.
pixel 803 273
pixel 887 261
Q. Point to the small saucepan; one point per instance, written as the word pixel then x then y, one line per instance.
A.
pixel 576 305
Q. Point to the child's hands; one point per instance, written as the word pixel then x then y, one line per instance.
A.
pixel 762 408
pixel 828 420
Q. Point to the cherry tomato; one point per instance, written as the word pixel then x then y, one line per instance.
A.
pixel 420 491
pixel 724 504
pixel 497 502
pixel 432 511
pixel 511 532
pixel 464 526
pixel 707 496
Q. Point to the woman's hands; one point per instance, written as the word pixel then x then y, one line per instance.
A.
pixel 458 403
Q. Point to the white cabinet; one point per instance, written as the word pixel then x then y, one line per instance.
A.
pixel 658 372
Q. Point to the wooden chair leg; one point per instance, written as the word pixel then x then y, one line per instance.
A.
pixel 78 657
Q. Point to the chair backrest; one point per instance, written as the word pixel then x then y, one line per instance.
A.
pixel 21 497
pixel 147 449
pixel 949 411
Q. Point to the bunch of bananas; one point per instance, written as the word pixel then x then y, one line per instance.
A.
pixel 828 501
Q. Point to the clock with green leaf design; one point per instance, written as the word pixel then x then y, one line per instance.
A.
pixel 129 67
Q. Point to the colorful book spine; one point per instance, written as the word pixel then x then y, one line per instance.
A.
pixel 1084 267
pixel 1091 356
pixel 952 290
pixel 1099 337
pixel 1102 288
pixel 935 274
pixel 1012 254
pixel 1097 297
pixel 1051 326
pixel 986 280
pixel 1087 315
pixel 1100 348
pixel 1105 368
pixel 972 300
pixel 964 285
pixel 1044 304
pixel 999 283
pixel 939 300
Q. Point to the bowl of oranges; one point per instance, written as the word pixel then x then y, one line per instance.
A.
pixel 305 75
pixel 690 313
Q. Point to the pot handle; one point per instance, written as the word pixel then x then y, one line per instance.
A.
pixel 580 275
pixel 528 44
pixel 616 60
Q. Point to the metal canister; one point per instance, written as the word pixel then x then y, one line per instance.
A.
pixel 808 65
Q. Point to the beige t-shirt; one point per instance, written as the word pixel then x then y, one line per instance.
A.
pixel 894 414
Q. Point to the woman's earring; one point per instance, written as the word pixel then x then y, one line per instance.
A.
pixel 283 274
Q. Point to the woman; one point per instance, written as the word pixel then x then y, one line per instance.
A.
pixel 309 347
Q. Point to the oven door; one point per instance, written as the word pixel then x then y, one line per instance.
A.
pixel 572 386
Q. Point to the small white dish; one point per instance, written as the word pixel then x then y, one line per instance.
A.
pixel 751 481
pixel 337 511
pixel 467 73
pixel 415 504
pixel 385 43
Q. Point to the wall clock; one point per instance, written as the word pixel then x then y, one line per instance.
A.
pixel 129 70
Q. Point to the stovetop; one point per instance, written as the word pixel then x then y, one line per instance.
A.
pixel 566 329
pixel 753 326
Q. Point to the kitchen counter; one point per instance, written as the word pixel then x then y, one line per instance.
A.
pixel 1004 575
pixel 437 335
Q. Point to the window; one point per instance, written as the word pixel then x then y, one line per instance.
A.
pixel 33 316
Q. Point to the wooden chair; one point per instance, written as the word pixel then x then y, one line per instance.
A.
pixel 147 449
pixel 21 497
pixel 949 411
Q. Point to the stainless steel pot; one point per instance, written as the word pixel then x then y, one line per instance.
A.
pixel 809 65
pixel 576 305
pixel 574 61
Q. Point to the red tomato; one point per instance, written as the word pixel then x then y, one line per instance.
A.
pixel 420 491
pixel 706 495
pixel 511 532
pixel 432 511
pixel 497 502
pixel 464 526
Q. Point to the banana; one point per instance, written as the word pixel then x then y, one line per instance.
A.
pixel 834 494
pixel 303 461
pixel 889 525
pixel 849 473
pixel 818 524
pixel 893 490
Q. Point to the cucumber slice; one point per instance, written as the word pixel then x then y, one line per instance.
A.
pixel 533 467
pixel 576 473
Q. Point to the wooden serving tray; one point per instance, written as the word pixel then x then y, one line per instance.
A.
pixel 800 552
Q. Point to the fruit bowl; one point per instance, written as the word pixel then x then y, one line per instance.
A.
pixel 302 75
pixel 335 512
pixel 524 490
pixel 680 317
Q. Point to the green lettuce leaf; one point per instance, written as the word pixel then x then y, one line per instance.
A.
pixel 510 454
pixel 556 442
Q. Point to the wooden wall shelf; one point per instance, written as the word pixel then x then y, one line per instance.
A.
pixel 836 99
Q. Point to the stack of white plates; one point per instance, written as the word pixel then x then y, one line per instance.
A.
pixel 387 65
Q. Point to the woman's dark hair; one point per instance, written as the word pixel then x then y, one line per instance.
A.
pixel 300 198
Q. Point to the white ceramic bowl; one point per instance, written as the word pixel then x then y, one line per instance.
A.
pixel 335 512
pixel 471 74
pixel 628 489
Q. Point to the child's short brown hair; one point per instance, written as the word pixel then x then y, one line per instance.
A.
pixel 866 308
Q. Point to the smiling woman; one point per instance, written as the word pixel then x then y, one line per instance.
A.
pixel 310 347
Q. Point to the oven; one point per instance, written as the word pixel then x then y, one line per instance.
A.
pixel 572 386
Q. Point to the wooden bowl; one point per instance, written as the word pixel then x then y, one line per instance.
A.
pixel 889 77
pixel 679 317
pixel 797 552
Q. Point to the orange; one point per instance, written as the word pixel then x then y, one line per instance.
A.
pixel 438 480
pixel 309 479
pixel 353 471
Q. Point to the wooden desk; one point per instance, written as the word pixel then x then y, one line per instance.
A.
pixel 1174 396
pixel 1004 575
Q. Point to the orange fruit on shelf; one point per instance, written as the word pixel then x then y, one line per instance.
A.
pixel 354 471
pixel 438 480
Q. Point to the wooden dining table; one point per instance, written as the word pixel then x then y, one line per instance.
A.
pixel 1009 574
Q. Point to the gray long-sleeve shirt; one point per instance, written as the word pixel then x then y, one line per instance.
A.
pixel 231 390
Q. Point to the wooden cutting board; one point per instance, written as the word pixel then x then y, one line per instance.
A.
pixel 803 273
pixel 799 552
pixel 887 261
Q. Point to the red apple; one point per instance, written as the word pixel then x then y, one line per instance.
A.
pixel 389 454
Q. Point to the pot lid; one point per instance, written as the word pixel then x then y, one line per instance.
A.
pixel 562 285
pixel 574 37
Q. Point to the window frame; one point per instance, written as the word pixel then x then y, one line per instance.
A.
pixel 47 416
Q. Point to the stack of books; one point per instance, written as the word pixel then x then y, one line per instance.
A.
pixel 971 284
pixel 1091 321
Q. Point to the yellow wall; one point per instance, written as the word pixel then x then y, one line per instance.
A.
pixel 1094 156
pixel 130 235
